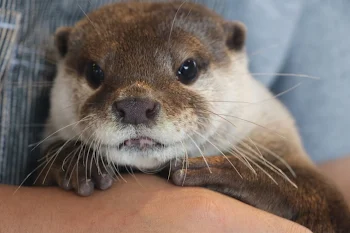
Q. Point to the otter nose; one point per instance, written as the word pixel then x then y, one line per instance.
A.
pixel 136 111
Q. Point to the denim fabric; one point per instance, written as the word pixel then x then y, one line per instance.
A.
pixel 291 36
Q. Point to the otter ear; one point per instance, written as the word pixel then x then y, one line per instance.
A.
pixel 235 35
pixel 61 40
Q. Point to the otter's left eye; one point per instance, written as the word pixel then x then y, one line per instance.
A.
pixel 188 71
pixel 94 74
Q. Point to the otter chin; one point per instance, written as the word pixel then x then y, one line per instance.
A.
pixel 166 87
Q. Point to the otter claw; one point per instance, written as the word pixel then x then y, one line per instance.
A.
pixel 65 184
pixel 103 182
pixel 83 184
pixel 85 188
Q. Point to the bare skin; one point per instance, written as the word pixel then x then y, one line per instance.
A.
pixel 336 171
pixel 156 207
pixel 130 207
pixel 49 210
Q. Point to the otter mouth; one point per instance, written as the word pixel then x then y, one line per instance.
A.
pixel 141 143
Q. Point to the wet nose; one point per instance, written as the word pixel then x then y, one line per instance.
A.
pixel 136 111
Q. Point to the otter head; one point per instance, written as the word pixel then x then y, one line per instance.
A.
pixel 144 83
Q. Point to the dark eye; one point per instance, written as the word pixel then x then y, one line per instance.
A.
pixel 188 71
pixel 94 74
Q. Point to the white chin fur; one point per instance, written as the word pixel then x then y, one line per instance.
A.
pixel 147 159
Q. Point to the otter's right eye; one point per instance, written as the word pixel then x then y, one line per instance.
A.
pixel 188 72
pixel 94 74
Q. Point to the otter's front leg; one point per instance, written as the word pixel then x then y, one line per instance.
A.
pixel 73 166
pixel 313 203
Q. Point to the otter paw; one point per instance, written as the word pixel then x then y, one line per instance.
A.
pixel 83 182
pixel 198 172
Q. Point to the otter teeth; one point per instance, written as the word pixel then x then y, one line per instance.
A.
pixel 140 142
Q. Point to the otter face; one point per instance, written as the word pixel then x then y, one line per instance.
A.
pixel 144 83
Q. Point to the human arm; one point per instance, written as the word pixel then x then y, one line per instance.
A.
pixel 339 172
pixel 153 206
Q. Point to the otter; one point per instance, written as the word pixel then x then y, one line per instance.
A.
pixel 165 87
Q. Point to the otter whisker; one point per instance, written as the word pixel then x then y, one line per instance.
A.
pixel 75 166
pixel 263 170
pixel 94 156
pixel 244 157
pixel 189 12
pixel 98 148
pixel 220 151
pixel 93 159
pixel 114 169
pixel 177 154
pixel 82 154
pixel 47 163
pixel 80 137
pixel 31 173
pixel 169 172
pixel 134 176
pixel 240 156
pixel 119 173
pixel 254 103
pixel 268 164
pixel 102 158
pixel 287 75
pixel 99 157
pixel 220 116
pixel 223 101
pixel 277 157
pixel 153 171
pixel 281 94
pixel 93 153
pixel 173 23
pixel 115 173
pixel 251 122
pixel 63 128
pixel 88 154
pixel 111 165
pixel 185 162
pixel 57 154
pixel 257 149
pixel 261 158
pixel 201 152
pixel 74 104
pixel 27 177
pixel 92 141
pixel 71 159
pixel 184 156
pixel 67 157
pixel 92 23
pixel 272 167
pixel 103 164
